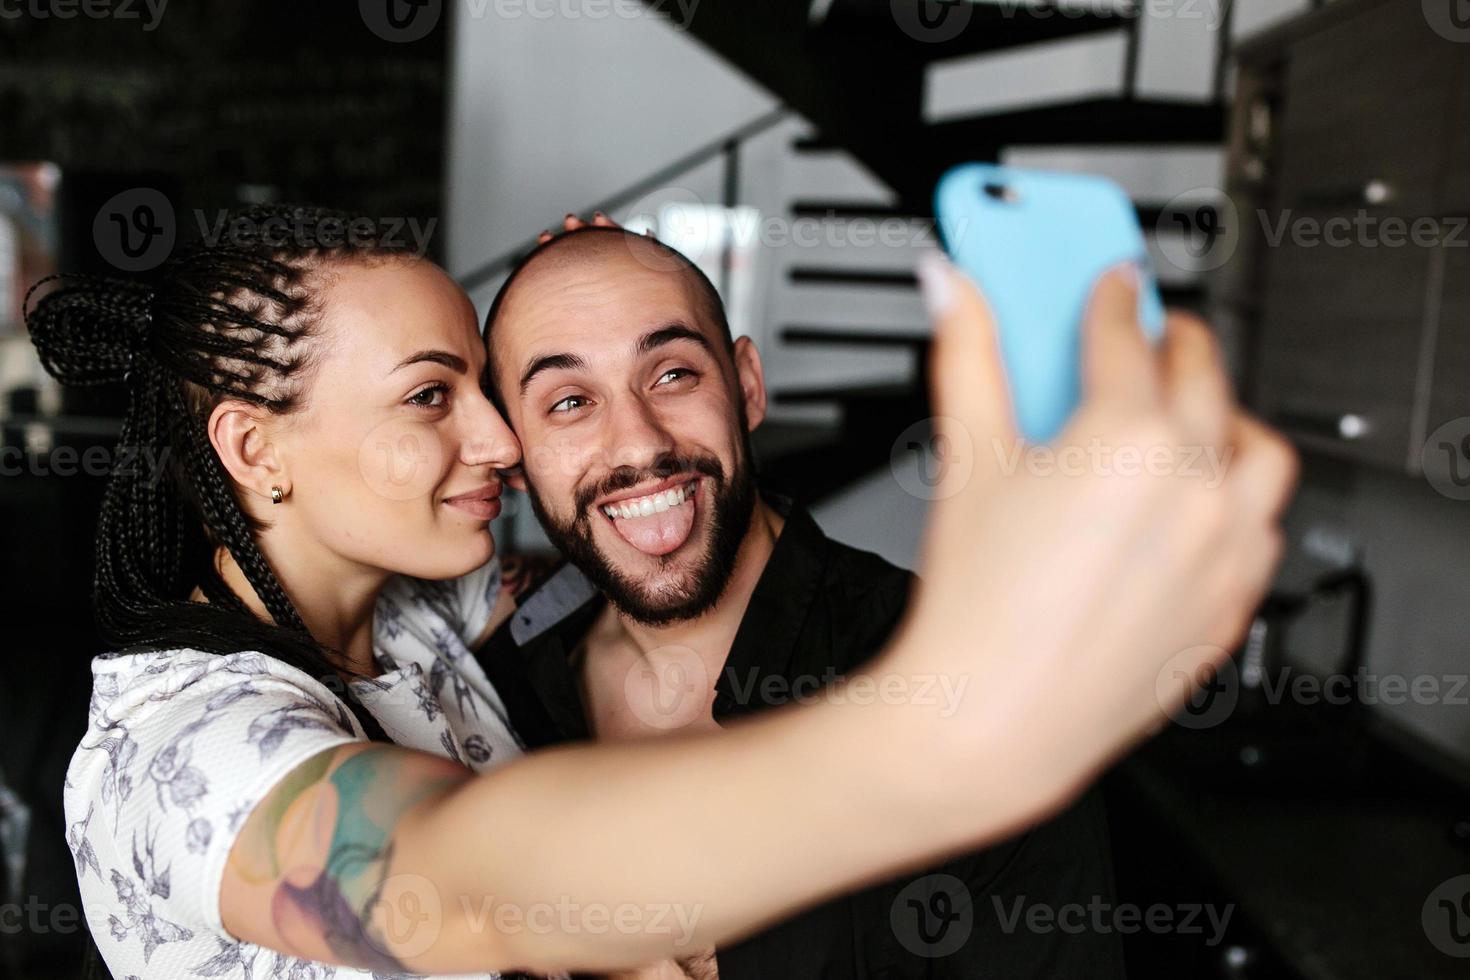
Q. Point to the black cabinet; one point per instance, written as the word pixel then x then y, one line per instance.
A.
pixel 1343 334
pixel 1347 210
pixel 1364 116
pixel 1446 455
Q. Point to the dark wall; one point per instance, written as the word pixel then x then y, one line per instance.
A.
pixel 223 102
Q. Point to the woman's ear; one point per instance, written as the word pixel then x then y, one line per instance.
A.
pixel 240 435
pixel 752 381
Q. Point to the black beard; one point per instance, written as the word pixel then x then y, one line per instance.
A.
pixel 731 504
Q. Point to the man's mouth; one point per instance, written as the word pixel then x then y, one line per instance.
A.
pixel 655 522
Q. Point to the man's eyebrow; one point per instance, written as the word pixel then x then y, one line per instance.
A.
pixel 667 335
pixel 551 362
pixel 454 362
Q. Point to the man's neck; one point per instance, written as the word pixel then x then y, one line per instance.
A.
pixel 712 634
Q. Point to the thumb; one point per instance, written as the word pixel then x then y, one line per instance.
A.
pixel 967 377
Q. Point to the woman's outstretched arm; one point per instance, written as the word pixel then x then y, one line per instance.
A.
pixel 1077 605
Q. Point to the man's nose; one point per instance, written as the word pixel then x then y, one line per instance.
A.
pixel 639 437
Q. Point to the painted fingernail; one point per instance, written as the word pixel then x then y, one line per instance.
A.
pixel 936 282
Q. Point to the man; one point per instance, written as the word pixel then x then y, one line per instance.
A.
pixel 691 599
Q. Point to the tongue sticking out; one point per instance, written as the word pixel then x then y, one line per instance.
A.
pixel 658 533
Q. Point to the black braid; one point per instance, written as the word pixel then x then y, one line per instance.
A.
pixel 232 320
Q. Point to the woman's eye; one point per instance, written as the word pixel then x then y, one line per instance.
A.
pixel 568 404
pixel 431 397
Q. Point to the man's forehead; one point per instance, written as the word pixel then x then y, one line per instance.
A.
pixel 602 300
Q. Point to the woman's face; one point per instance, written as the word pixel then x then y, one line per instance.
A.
pixel 393 456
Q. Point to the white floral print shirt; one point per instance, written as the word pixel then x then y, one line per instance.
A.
pixel 181 745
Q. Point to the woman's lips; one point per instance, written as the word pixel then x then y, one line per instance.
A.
pixel 482 504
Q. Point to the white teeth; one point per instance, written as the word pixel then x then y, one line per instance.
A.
pixel 654 503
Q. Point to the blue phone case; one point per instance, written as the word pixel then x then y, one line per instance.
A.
pixel 1036 243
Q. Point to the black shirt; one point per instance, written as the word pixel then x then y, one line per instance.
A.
pixel 1026 908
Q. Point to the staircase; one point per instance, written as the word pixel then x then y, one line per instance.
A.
pixel 856 71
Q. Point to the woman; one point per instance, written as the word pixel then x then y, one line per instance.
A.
pixel 294 759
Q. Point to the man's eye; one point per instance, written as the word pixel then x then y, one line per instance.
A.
pixel 569 404
pixel 433 396
pixel 673 374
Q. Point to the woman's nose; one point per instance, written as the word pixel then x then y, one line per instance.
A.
pixel 487 438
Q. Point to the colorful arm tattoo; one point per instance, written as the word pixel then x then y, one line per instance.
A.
pixel 322 845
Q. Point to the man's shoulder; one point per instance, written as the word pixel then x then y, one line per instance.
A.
pixel 857 573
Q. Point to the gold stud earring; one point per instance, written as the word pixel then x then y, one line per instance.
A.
pixel 276 495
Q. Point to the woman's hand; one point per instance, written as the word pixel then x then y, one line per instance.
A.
pixel 1084 587
pixel 571 223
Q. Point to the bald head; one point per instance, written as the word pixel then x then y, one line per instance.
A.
pixel 596 250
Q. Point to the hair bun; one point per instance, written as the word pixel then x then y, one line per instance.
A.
pixel 89 330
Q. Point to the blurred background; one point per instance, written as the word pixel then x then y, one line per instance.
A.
pixel 1302 172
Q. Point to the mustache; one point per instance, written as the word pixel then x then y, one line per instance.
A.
pixel 665 466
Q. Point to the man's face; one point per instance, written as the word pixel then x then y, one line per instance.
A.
pixel 634 417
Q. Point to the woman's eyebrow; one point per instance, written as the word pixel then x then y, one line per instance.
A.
pixel 454 362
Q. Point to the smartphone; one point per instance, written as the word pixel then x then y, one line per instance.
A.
pixel 1036 242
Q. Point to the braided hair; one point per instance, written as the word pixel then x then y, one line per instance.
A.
pixel 235 319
